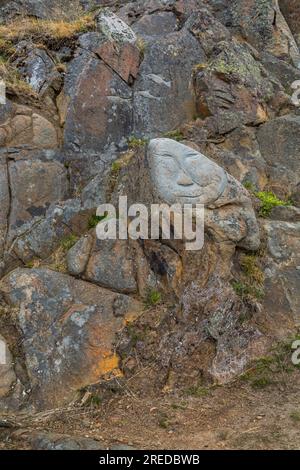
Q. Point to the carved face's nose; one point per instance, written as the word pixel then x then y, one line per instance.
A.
pixel 184 180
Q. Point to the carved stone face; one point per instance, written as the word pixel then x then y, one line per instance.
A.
pixel 182 175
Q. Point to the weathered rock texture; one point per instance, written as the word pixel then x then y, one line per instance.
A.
pixel 68 330
pixel 84 98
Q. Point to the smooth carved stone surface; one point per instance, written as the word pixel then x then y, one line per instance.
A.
pixel 182 175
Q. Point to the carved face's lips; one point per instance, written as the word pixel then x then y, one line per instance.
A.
pixel 188 196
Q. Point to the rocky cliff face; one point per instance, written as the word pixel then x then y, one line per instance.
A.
pixel 88 85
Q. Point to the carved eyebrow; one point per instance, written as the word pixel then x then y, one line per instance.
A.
pixel 165 155
pixel 191 154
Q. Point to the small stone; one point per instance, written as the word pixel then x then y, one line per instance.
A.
pixel 44 133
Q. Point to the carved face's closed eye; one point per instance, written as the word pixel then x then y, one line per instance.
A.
pixel 181 175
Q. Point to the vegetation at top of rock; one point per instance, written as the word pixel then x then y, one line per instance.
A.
pixel 45 31
pixel 175 135
pixel 6 48
pixel 268 201
pixel 13 79
pixel 135 142
pixel 42 33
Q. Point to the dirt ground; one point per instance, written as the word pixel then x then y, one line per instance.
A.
pixel 260 412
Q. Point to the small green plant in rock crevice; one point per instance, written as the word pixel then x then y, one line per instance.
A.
pixel 252 278
pixel 69 241
pixel 247 291
pixel 271 369
pixel 249 186
pixel 252 270
pixel 136 142
pixel 95 219
pixel 175 135
pixel 153 298
pixel 141 45
pixel 116 167
pixel 268 201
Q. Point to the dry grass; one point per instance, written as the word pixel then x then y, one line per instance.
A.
pixel 252 269
pixel 14 83
pixel 41 32
pixel 6 48
pixel 44 30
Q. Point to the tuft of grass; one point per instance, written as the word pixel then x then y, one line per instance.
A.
pixel 116 166
pixel 261 383
pixel 135 142
pixel 134 334
pixel 141 45
pixel 95 401
pixel 270 370
pixel 260 374
pixel 295 416
pixel 251 283
pixel 268 201
pixel 35 263
pixel 13 80
pixel 175 135
pixel 153 298
pixel 6 48
pixel 200 67
pixel 68 242
pixel 197 391
pixel 247 291
pixel 179 406
pixel 94 220
pixel 45 31
pixel 249 186
pixel 163 421
pixel 251 268
pixel 61 68
pixel 57 261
